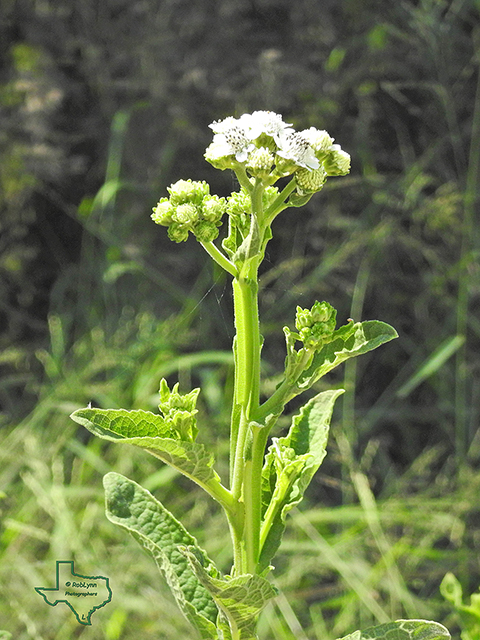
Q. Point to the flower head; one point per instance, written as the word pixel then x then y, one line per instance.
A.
pixel 231 138
pixel 264 122
pixel 296 147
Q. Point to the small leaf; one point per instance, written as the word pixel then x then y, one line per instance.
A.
pixel 150 431
pixel 402 630
pixel 240 599
pixel 290 465
pixel 133 508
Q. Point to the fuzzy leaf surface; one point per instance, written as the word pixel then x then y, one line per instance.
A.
pixel 290 465
pixel 402 630
pixel 240 599
pixel 361 338
pixel 151 432
pixel 133 508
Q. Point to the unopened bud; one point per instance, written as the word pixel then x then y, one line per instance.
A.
pixel 185 214
pixel 310 181
pixel 162 212
pixel 337 162
pixel 205 231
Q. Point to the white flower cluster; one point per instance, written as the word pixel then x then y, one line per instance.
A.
pixel 271 148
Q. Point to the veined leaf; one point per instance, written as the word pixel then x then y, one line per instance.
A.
pixel 402 630
pixel 290 465
pixel 133 508
pixel 240 599
pixel 350 341
pixel 363 337
pixel 150 432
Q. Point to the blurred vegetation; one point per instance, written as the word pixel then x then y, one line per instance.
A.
pixel 102 105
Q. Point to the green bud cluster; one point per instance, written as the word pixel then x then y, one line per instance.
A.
pixel 179 410
pixel 315 326
pixel 190 208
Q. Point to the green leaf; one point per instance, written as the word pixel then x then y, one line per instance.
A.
pixel 349 341
pixel 290 465
pixel 5 635
pixel 361 338
pixel 240 599
pixel 133 508
pixel 403 630
pixel 151 432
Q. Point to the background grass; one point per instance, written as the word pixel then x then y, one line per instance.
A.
pixel 102 105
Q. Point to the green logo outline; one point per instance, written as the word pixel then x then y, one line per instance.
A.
pixel 86 617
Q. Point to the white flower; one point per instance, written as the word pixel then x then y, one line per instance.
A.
pixel 266 122
pixel 294 146
pixel 230 139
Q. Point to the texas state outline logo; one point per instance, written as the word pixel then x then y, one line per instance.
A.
pixel 83 594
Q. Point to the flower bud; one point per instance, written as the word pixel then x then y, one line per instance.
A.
pixel 323 312
pixel 205 231
pixel 316 325
pixel 320 141
pixel 310 181
pixel 337 162
pixel 185 214
pixel 213 208
pixel 188 191
pixel 239 203
pixel 179 410
pixel 162 213
pixel 260 162
pixel 303 318
pixel 178 232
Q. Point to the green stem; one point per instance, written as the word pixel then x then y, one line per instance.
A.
pixel 278 204
pixel 247 374
pixel 245 452
pixel 220 258
pixel 243 178
pixel 247 383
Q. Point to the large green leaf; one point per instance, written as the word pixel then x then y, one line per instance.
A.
pixel 151 432
pixel 402 630
pixel 240 599
pixel 133 508
pixel 290 465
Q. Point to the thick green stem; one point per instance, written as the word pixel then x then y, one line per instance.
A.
pixel 247 382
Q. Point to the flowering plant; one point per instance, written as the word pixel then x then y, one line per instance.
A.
pixel 266 479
